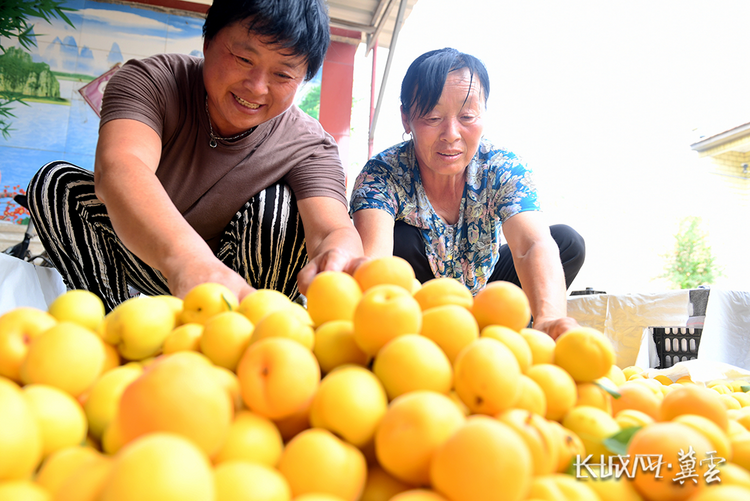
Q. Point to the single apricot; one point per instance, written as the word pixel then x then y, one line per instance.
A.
pixel 316 461
pixel 629 418
pixel 616 375
pixel 332 295
pixel 85 482
pixel 636 397
pixel 162 466
pixel 668 443
pixel 179 394
pixel 413 362
pixel 569 444
pixel 251 438
pixel 694 399
pixel 484 459
pixel 262 302
pixel 451 326
pixel 206 300
pixel 502 303
pixel 723 493
pixel 585 353
pixel 539 436
pixel 442 291
pixel 593 426
pixel 558 387
pixel 532 396
pixel 486 376
pixel 392 270
pixel 349 402
pixel 412 429
pixel 67 356
pixel 514 341
pixel 23 490
pixel 20 435
pixel 335 346
pixel 733 474
pixel 542 346
pixel 17 328
pixel 718 437
pixel 419 495
pixel 285 323
pixel 235 480
pixel 59 465
pixel 595 396
pixel 385 312
pixel 381 485
pixel 630 370
pixel 740 445
pixel 278 376
pixel 225 337
pixel 562 487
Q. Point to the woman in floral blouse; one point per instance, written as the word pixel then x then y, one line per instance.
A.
pixel 439 200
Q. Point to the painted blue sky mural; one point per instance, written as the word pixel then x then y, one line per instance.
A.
pixel 104 35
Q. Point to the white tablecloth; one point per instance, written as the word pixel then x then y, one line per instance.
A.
pixel 25 284
pixel 625 320
pixel 726 330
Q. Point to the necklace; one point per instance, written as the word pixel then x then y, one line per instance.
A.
pixel 214 138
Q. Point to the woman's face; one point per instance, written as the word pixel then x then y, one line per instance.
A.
pixel 248 81
pixel 447 137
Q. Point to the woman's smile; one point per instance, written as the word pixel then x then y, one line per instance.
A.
pixel 244 103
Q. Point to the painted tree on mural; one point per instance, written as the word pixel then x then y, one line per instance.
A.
pixel 691 262
pixel 15 25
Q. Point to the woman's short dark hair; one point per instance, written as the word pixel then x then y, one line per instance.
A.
pixel 425 78
pixel 298 25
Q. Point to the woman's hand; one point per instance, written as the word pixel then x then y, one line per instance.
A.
pixel 555 327
pixel 188 274
pixel 332 242
pixel 331 260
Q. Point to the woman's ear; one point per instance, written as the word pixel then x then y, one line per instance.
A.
pixel 405 121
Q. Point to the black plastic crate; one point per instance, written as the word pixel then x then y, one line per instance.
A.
pixel 676 344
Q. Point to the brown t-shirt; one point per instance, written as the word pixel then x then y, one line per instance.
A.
pixel 209 185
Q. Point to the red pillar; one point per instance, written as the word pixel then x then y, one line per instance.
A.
pixel 336 88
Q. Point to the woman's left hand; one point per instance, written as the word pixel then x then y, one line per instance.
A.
pixel 332 260
pixel 555 327
pixel 332 242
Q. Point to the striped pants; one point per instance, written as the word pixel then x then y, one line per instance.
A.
pixel 264 242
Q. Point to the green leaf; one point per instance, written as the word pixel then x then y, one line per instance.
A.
pixel 618 443
pixel 613 392
pixel 571 469
pixel 229 305
pixel 745 388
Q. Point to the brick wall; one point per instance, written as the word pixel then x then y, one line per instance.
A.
pixel 727 165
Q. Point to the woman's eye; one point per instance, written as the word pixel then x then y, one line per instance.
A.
pixel 284 76
pixel 242 60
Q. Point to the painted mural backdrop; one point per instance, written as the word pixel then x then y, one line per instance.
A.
pixel 58 123
pixel 68 70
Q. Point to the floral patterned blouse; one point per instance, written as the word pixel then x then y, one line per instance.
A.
pixel 498 186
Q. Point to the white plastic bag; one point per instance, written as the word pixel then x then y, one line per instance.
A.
pixel 25 284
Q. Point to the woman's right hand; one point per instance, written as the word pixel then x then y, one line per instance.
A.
pixel 191 273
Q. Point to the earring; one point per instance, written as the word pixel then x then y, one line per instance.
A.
pixel 404 134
